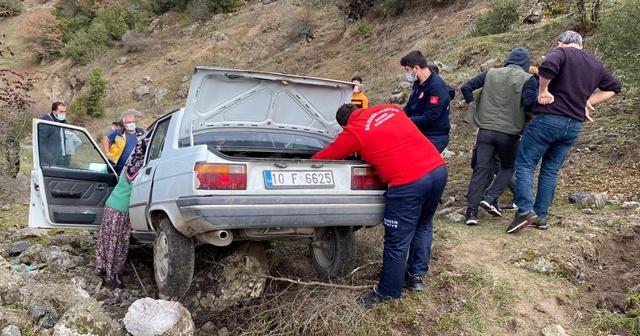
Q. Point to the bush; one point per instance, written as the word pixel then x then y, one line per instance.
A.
pixel 501 16
pixel 10 8
pixel 199 10
pixel 357 9
pixel 134 41
pixel 114 19
pixel 89 104
pixel 618 40
pixel 223 6
pixel 42 35
pixel 86 46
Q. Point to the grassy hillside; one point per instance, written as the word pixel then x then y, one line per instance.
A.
pixel 481 281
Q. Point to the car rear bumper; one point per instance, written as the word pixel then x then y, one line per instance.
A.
pixel 201 214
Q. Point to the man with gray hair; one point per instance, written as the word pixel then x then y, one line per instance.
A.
pixel 120 143
pixel 568 79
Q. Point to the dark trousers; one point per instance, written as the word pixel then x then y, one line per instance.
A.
pixel 496 168
pixel 440 142
pixel 408 226
pixel 488 145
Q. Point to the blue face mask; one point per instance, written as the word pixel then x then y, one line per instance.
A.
pixel 61 117
pixel 410 77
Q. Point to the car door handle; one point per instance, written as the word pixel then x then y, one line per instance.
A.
pixel 148 171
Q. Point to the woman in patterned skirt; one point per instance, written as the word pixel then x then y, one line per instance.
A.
pixel 113 244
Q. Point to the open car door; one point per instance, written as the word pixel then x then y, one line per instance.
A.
pixel 71 178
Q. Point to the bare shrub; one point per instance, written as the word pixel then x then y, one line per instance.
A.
pixel 199 10
pixel 10 8
pixel 134 41
pixel 42 33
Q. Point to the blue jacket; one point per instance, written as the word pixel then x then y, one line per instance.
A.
pixel 429 104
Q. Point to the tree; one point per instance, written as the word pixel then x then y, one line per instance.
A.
pixel 14 100
pixel 42 33
pixel 89 104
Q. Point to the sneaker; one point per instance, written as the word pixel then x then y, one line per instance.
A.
pixel 372 299
pixel 491 209
pixel 509 206
pixel 413 282
pixel 472 219
pixel 521 221
pixel 540 224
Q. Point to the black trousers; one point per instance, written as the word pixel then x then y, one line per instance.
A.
pixel 489 145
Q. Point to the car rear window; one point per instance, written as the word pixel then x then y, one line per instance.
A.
pixel 252 140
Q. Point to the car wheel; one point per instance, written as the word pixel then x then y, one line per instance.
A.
pixel 173 260
pixel 333 251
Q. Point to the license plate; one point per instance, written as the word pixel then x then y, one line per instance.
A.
pixel 298 179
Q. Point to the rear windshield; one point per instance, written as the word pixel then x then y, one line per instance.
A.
pixel 259 141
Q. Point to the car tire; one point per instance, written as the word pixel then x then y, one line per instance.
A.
pixel 173 260
pixel 333 251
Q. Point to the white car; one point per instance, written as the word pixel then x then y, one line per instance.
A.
pixel 232 165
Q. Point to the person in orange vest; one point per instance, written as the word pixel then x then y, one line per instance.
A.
pixel 359 99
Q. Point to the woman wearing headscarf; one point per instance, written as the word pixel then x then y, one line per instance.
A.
pixel 113 244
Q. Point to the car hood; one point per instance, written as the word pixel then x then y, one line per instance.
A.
pixel 242 99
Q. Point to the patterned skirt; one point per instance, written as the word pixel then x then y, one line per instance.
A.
pixel 113 244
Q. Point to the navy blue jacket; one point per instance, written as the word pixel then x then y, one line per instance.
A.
pixel 429 104
pixel 50 142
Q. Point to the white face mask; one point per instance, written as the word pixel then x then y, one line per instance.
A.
pixel 131 127
pixel 356 89
pixel 410 76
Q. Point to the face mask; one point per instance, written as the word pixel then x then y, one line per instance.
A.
pixel 61 117
pixel 410 77
pixel 356 89
pixel 131 127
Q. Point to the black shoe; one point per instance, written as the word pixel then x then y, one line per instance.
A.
pixel 472 218
pixel 540 224
pixel 115 281
pixel 490 208
pixel 372 299
pixel 522 221
pixel 413 282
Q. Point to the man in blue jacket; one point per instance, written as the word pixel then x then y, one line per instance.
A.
pixel 507 94
pixel 429 102
pixel 51 138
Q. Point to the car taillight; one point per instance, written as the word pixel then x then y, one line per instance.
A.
pixel 366 179
pixel 220 176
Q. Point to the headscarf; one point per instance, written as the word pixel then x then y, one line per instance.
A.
pixel 136 161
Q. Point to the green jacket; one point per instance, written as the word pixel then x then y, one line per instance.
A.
pixel 498 106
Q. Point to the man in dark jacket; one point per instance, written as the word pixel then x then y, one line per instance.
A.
pixel 429 103
pixel 568 78
pixel 417 175
pixel 51 138
pixel 507 94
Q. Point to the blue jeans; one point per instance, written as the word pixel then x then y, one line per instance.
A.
pixel 408 216
pixel 548 137
pixel 440 142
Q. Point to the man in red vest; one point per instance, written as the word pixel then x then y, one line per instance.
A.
pixel 387 139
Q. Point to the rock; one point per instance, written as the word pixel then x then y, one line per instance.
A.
pixel 10 330
pixel 122 60
pixel 65 239
pixel 48 321
pixel 266 2
pixel 257 6
pixel 18 247
pixel 33 254
pixel 455 217
pixel 186 78
pixel 37 312
pixel 5 207
pixel 29 232
pixel 514 325
pixel 140 92
pixel 53 256
pixel 216 37
pixel 595 200
pixel 450 201
pixel 208 327
pixel 63 294
pixel 630 205
pixel 447 154
pixel 86 318
pixel 577 197
pixel 230 281
pixel 158 317
pixel 534 15
pixel 587 211
pixel 157 95
pixel 542 265
pixel 615 302
pixel 554 330
pixel 146 79
pixel 491 63
pixel 224 332
pixel 398 98
pixel 10 283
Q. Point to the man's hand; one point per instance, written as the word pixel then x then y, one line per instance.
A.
pixel 545 98
pixel 588 109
